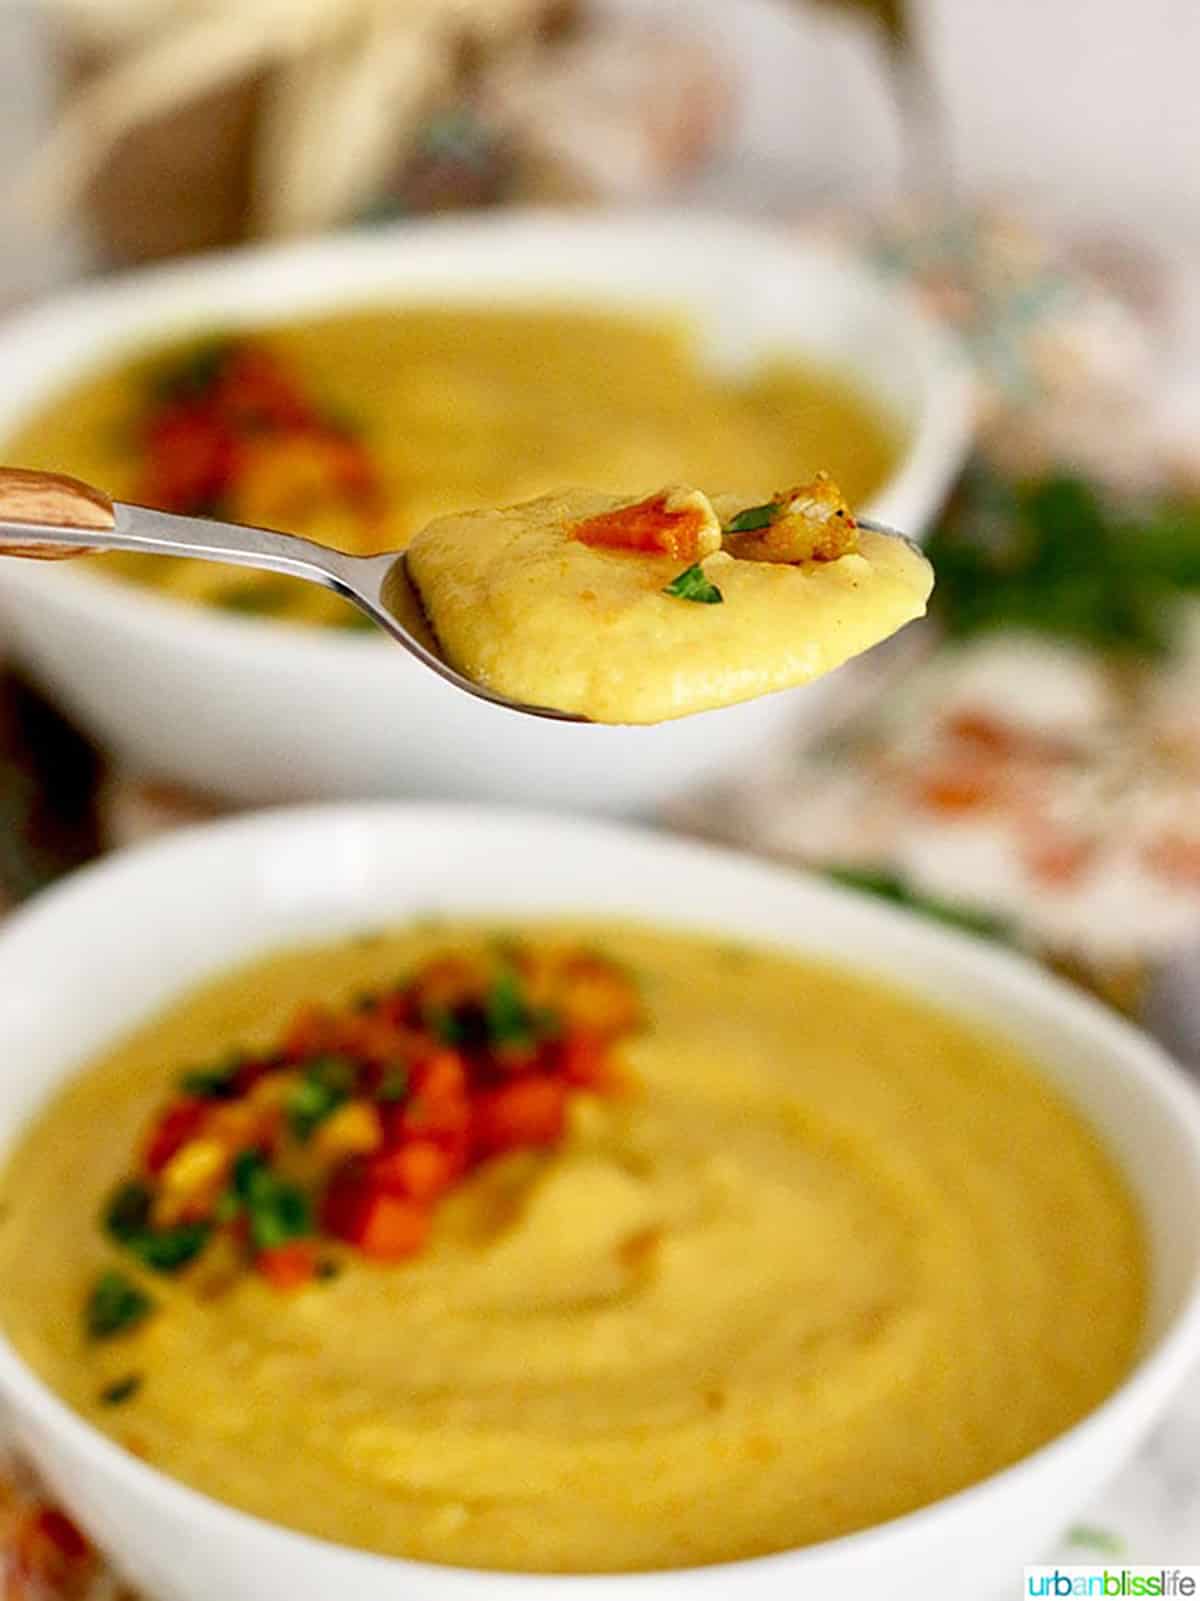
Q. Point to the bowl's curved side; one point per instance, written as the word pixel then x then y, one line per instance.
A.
pixel 208 897
pixel 263 711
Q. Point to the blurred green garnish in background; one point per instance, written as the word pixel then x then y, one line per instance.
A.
pixel 1054 557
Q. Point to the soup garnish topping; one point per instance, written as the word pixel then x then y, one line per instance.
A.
pixel 361 1119
pixel 231 431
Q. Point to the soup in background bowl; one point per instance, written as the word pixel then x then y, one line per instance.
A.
pixel 847 1213
pixel 575 1249
pixel 233 701
pixel 358 428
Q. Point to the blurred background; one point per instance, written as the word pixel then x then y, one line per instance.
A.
pixel 1026 173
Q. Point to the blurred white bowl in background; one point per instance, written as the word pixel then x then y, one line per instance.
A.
pixel 257 710
pixel 202 899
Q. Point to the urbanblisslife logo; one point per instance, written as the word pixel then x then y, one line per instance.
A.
pixel 1076 1580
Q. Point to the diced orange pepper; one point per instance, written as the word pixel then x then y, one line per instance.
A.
pixel 597 997
pixel 290 1266
pixel 441 1078
pixel 420 1169
pixel 391 1227
pixel 529 1111
pixel 585 1062
pixel 646 526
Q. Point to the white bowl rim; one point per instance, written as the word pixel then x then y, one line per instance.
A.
pixel 1163 1363
pixel 941 435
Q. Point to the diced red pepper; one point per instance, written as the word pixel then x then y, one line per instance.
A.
pixel 180 1122
pixel 255 391
pixel 290 1266
pixel 365 1215
pixel 530 1111
pixel 647 526
pixel 189 459
pixel 586 1062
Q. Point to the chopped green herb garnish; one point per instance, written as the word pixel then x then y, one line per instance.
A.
pixel 692 584
pixel 753 517
pixel 1054 558
pixel 446 1024
pixel 278 1211
pixel 168 1250
pixel 227 1208
pixel 214 1083
pixel 127 1220
pixel 509 1018
pixel 326 1083
pixel 115 1306
pixel 393 1086
pixel 190 375
pixel 128 1212
pixel 121 1390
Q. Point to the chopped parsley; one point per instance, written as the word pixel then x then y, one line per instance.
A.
pixel 128 1212
pixel 219 1083
pixel 326 1084
pixel 168 1250
pixel 509 1018
pixel 193 373
pixel 692 584
pixel 393 1085
pixel 278 1211
pixel 121 1390
pixel 754 517
pixel 446 1024
pixel 115 1306
pixel 127 1221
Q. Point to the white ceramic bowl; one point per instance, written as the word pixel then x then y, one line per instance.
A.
pixel 261 710
pixel 95 955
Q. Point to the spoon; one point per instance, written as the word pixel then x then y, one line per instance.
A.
pixel 49 516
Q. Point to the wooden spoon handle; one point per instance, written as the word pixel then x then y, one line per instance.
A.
pixel 49 501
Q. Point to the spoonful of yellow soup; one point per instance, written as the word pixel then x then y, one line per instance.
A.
pixel 636 611
pixel 577 606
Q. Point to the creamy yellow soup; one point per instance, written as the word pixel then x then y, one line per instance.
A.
pixel 837 1256
pixel 460 408
pixel 524 607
